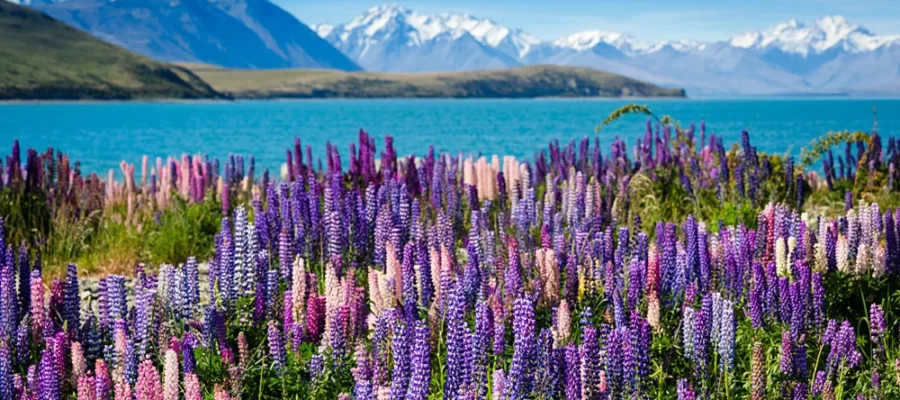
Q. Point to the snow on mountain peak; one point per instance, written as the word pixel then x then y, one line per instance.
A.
pixel 586 40
pixel 385 20
pixel 822 35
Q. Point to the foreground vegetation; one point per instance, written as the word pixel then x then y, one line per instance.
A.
pixel 677 268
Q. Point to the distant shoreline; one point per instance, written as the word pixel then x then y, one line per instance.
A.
pixel 15 102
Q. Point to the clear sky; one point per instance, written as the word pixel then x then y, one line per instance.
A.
pixel 645 19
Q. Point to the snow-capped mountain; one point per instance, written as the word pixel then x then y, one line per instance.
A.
pixel 821 36
pixel 829 55
pixel 398 33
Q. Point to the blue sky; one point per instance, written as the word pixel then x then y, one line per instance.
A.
pixel 646 19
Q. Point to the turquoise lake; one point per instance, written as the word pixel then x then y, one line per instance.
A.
pixel 100 135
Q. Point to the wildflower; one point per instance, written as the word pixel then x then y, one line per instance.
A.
pixel 170 376
pixel 685 392
pixel 519 379
pixel 192 387
pixel 85 388
pixel 148 386
pixel 276 348
pixel 877 328
pixel 421 364
pixel 758 372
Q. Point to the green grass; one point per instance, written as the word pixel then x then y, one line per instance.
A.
pixel 41 58
pixel 524 82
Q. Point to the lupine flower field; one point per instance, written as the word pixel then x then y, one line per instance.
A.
pixel 672 268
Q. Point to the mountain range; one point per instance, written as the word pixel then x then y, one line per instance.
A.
pixel 228 33
pixel 41 58
pixel 828 56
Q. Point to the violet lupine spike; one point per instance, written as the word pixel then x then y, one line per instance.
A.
pixel 572 372
pixel 457 367
pixel 400 374
pixel 276 348
pixel 6 370
pixel 590 363
pixel 24 280
pixel 787 354
pixel 685 392
pixel 48 380
pixel 481 348
pixel 420 361
pixel 8 301
pixel 877 329
pixel 520 371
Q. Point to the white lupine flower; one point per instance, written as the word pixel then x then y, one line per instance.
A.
pixel 781 258
pixel 878 261
pixel 862 259
pixel 842 253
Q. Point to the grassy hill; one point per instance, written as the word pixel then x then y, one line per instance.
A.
pixel 524 82
pixel 41 58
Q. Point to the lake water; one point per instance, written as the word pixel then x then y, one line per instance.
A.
pixel 100 135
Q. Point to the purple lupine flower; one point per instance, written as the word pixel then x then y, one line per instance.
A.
pixel 784 296
pixel 818 301
pixel 457 368
pixel 573 372
pixel 24 280
pixel 702 331
pixel 546 376
pixel 6 370
pixel 787 353
pixel 272 293
pixel 8 301
pixel 71 306
pixel 590 363
pixel 520 371
pixel 614 362
pixel 877 328
pixel 801 368
pixel 420 361
pixel 276 348
pixel 481 347
pixel 685 392
pixel 187 357
pixel 337 334
pixel 400 374
pixel 23 340
pixel 640 345
pixel 409 282
pixel 829 332
pixel 755 304
pixel 48 380
pixel 191 287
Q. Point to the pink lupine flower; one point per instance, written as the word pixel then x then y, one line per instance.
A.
pixel 219 393
pixel 192 387
pixel 123 389
pixel 79 367
pixel 148 386
pixel 86 388
pixel 170 376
